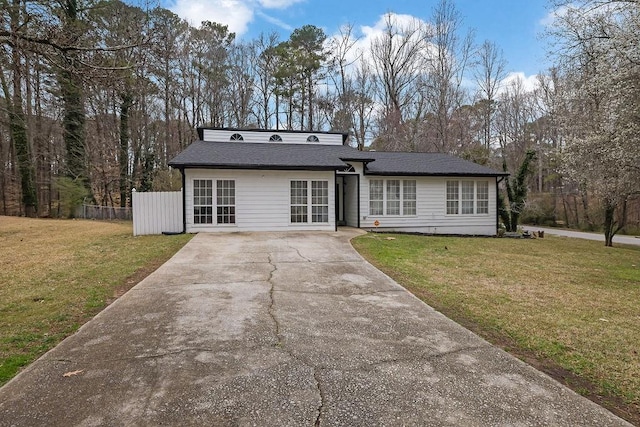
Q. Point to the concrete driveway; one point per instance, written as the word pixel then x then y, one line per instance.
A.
pixel 281 329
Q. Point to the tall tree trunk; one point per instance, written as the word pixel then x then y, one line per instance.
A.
pixel 123 157
pixel 17 121
pixel 609 222
pixel 71 87
pixel 73 123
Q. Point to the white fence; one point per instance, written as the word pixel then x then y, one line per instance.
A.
pixel 157 212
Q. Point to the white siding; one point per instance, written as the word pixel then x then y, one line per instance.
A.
pixel 263 137
pixel 262 199
pixel 157 212
pixel 431 215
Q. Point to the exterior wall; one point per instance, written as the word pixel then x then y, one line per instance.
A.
pixel 431 212
pixel 262 199
pixel 156 212
pixel 263 137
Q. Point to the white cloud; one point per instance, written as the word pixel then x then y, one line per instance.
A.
pixel 236 14
pixel 363 36
pixel 550 19
pixel 274 21
pixel 518 78
pixel 278 4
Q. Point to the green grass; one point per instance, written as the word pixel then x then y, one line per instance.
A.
pixel 569 301
pixel 57 274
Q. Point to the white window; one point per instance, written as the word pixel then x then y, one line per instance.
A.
pixel 319 201
pixel 392 197
pixel 482 197
pixel 226 201
pixel 299 201
pixel 467 197
pixel 302 198
pixel 409 197
pixel 452 197
pixel 376 197
pixel 202 201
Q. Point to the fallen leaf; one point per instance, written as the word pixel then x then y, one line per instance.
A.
pixel 72 373
pixel 603 320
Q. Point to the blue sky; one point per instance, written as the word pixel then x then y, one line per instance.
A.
pixel 514 25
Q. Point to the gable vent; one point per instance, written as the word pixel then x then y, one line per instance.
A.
pixel 275 138
pixel 236 137
pixel 312 138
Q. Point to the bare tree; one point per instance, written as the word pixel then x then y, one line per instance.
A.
pixel 489 71
pixel 398 60
pixel 264 57
pixel 17 18
pixel 449 57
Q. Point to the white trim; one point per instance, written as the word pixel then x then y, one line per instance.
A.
pixel 309 205
pixel 460 200
pixel 385 199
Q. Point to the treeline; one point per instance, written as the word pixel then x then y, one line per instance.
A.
pixel 97 97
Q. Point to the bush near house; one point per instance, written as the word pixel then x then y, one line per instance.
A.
pixel 567 306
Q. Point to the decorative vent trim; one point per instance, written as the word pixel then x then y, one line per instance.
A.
pixel 275 138
pixel 236 137
pixel 312 138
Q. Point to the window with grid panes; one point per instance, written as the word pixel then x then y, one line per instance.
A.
pixel 482 197
pixel 376 197
pixel 203 201
pixel 452 197
pixel 319 201
pixel 226 201
pixel 467 197
pixel 393 197
pixel 408 197
pixel 299 202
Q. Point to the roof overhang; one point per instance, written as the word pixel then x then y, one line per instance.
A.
pixel 259 167
pixel 404 173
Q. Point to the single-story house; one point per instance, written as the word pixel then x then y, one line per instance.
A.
pixel 271 180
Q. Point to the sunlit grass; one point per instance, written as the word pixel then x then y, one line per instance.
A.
pixel 57 274
pixel 573 301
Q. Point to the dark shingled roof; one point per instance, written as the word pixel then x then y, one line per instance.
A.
pixel 426 164
pixel 235 155
pixel 242 155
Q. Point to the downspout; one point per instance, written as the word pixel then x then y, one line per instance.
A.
pixel 358 192
pixel 184 201
pixel 499 179
pixel 335 199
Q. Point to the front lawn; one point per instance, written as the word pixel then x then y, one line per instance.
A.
pixel 57 274
pixel 570 307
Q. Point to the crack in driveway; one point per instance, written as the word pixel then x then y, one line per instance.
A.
pixel 280 341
